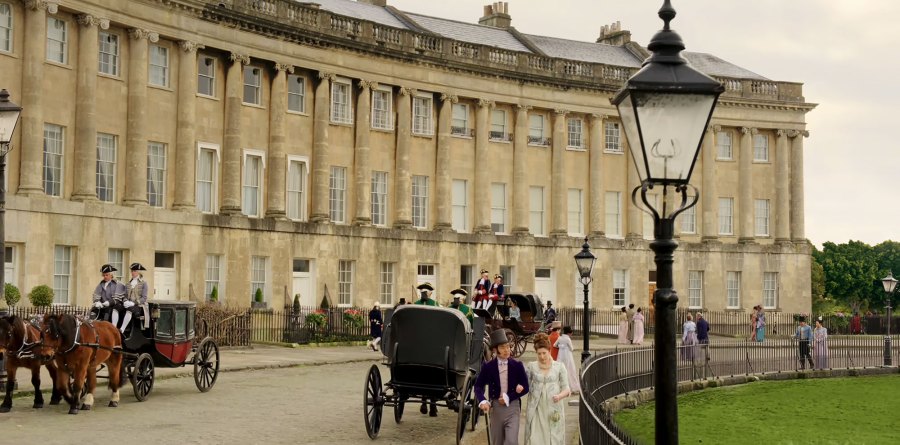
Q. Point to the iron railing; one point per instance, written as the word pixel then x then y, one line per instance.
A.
pixel 612 374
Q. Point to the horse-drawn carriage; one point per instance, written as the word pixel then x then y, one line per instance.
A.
pixel 520 333
pixel 434 355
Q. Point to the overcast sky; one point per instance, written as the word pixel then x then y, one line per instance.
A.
pixel 840 50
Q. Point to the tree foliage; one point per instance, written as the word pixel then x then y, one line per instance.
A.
pixel 852 271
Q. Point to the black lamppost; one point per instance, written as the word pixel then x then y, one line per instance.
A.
pixel 585 262
pixel 665 109
pixel 9 117
pixel 890 283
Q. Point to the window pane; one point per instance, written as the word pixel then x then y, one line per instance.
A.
pixel 206 76
pixel 296 204
pixel 159 65
pixel 156 174
pixel 53 159
pixel 296 93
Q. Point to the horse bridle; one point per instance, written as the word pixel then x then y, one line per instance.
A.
pixel 26 349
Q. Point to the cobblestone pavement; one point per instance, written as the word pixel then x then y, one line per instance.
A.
pixel 320 404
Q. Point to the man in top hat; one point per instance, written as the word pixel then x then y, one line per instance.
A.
pixel 804 334
pixel 482 289
pixel 135 301
pixel 507 383
pixel 549 314
pixel 106 293
pixel 458 296
pixel 425 290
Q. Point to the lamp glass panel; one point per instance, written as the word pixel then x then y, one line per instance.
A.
pixel 889 283
pixel 8 120
pixel 672 126
pixel 630 124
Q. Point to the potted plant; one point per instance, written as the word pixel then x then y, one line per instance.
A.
pixel 316 320
pixel 258 300
pixel 41 296
pixel 12 294
pixel 353 318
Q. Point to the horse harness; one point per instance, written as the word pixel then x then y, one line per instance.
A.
pixel 26 349
pixel 94 346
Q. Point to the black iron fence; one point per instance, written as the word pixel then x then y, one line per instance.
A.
pixel 615 373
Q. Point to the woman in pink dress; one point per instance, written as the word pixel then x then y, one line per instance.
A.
pixel 638 327
pixel 623 327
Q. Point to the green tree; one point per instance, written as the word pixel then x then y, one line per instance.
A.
pixel 41 295
pixel 11 294
pixel 887 254
pixel 851 271
pixel 817 279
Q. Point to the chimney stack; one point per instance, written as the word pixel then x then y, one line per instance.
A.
pixel 373 2
pixel 496 15
pixel 614 35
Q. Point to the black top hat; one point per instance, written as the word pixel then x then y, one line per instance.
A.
pixel 425 286
pixel 106 268
pixel 458 293
pixel 137 266
pixel 484 271
pixel 402 301
pixel 498 338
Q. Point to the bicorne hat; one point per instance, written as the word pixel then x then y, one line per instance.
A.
pixel 484 271
pixel 107 268
pixel 459 293
pixel 425 286
pixel 498 338
pixel 137 266
pixel 498 276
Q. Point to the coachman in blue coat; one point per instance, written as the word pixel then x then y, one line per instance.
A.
pixel 507 383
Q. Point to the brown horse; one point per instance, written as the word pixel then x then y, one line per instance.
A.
pixel 19 340
pixel 78 348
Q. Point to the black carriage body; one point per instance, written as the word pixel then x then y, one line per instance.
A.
pixel 169 339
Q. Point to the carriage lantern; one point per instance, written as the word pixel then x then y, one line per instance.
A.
pixel 665 109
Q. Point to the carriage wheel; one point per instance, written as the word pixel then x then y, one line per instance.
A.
pixel 398 411
pixel 521 345
pixel 206 364
pixel 463 399
pixel 476 411
pixel 373 400
pixel 143 376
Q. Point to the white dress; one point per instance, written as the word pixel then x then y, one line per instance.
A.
pixel 545 421
pixel 566 357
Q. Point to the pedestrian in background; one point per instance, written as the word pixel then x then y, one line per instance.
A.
pixel 820 345
pixel 753 323
pixel 375 324
pixel 548 385
pixel 804 336
pixel 549 314
pixel 623 326
pixel 638 324
pixel 689 339
pixel 630 315
pixel 554 336
pixel 760 324
pixel 567 357
pixel 702 329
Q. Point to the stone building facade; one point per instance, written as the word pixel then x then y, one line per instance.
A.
pixel 349 146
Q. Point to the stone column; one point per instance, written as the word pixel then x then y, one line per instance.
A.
pixel 797 224
pixel 32 132
pixel 782 188
pixel 86 107
pixel 597 209
pixel 708 192
pixel 320 159
pixel 277 168
pixel 482 172
pixel 231 148
pixel 443 193
pixel 520 202
pixel 745 181
pixel 559 200
pixel 403 183
pixel 185 133
pixel 634 223
pixel 361 165
pixel 136 146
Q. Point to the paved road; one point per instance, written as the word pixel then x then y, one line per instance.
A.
pixel 307 405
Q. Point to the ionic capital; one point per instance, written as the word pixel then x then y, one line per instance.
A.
pixel 286 67
pixel 189 46
pixel 325 76
pixel 89 20
pixel 747 130
pixel 406 91
pixel 561 112
pixel 242 58
pixel 138 34
pixel 796 133
pixel 36 5
pixel 449 96
pixel 485 103
pixel 716 128
pixel 781 132
pixel 597 116
pixel 524 108
pixel 367 84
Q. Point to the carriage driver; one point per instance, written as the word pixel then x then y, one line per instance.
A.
pixel 106 293
pixel 135 298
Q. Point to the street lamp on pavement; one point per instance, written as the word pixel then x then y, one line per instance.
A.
pixel 889 283
pixel 665 109
pixel 9 117
pixel 585 262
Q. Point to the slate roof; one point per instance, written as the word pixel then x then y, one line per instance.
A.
pixel 468 32
pixel 501 38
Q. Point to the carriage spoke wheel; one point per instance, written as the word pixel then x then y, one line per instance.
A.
pixel 398 409
pixel 373 399
pixel 143 376
pixel 521 345
pixel 206 364
pixel 476 411
pixel 464 406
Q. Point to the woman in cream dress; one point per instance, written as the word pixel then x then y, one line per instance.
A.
pixel 548 382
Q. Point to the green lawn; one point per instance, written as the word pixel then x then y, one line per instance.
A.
pixel 854 410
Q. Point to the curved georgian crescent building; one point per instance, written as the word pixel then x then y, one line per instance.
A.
pixel 349 146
